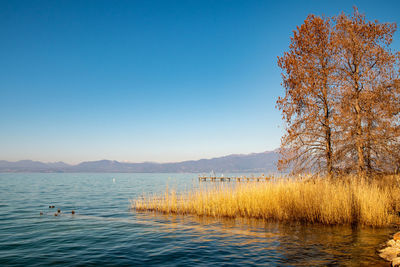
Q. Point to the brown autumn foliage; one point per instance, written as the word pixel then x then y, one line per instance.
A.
pixel 342 97
pixel 308 106
pixel 370 101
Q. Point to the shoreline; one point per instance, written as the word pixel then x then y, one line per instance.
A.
pixel 391 252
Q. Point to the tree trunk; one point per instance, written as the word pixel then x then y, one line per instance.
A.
pixel 368 143
pixel 328 156
pixel 359 142
pixel 328 143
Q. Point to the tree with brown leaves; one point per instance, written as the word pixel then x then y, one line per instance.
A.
pixel 370 104
pixel 342 97
pixel 308 105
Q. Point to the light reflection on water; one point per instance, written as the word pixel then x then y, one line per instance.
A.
pixel 104 231
pixel 287 244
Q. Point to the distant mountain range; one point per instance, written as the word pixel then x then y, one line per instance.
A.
pixel 255 162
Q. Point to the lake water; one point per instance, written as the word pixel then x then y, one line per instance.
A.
pixel 104 231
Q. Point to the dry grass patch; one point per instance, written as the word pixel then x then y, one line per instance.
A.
pixel 346 201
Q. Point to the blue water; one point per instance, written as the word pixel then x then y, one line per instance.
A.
pixel 105 231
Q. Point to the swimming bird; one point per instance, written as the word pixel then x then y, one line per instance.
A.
pixel 73 212
pixel 58 210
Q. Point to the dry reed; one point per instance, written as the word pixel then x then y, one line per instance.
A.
pixel 344 201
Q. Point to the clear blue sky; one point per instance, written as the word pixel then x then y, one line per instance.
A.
pixel 148 80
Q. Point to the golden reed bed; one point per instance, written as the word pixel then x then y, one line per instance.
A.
pixel 346 201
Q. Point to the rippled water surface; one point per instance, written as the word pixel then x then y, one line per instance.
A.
pixel 104 231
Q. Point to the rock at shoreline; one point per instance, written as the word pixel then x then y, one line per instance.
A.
pixel 392 251
pixel 389 253
pixel 396 262
pixel 392 243
pixel 396 236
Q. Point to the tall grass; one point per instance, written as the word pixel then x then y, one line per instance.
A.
pixel 345 201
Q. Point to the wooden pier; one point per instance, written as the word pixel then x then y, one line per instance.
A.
pixel 234 179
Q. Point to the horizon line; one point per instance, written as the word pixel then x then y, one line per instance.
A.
pixel 130 162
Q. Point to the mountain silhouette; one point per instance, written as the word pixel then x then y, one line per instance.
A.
pixel 255 162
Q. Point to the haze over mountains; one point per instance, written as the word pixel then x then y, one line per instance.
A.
pixel 255 162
